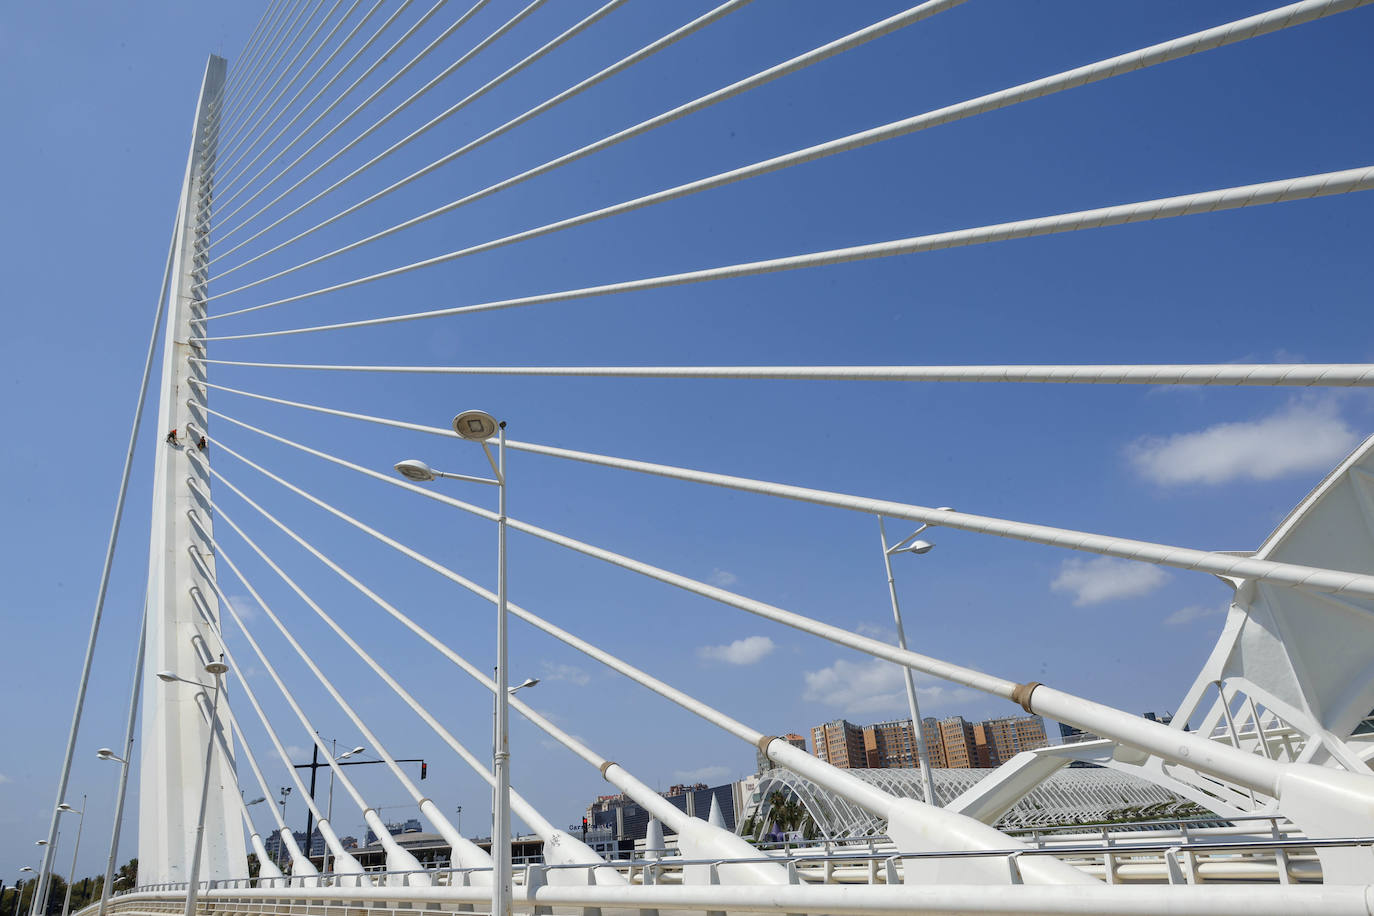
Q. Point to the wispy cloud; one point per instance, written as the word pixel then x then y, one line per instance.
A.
pixel 876 688
pixel 744 651
pixel 4 779
pixel 1192 613
pixel 876 631
pixel 295 751
pixel 723 577
pixel 710 775
pixel 1107 579
pixel 570 673
pixel 1308 435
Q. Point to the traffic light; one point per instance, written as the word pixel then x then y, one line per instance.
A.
pixel 424 769
pixel 584 828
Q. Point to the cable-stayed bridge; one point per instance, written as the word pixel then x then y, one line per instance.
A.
pixel 330 170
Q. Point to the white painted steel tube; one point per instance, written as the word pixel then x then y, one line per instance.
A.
pixel 398 858
pixel 328 42
pixel 548 47
pixel 1339 375
pixel 241 133
pixel 625 62
pixel 1208 39
pixel 923 829
pixel 1287 574
pixel 1268 192
pixel 1229 763
pixel 388 83
pixel 343 68
pixel 344 860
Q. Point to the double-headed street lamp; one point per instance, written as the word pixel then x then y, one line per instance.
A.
pixel 479 426
pixel 216 668
pixel 108 885
pixel 65 808
pixel 911 545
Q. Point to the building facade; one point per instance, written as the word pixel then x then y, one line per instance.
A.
pixel 839 743
pixel 953 742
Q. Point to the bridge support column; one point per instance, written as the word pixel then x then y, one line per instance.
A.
pixel 183 613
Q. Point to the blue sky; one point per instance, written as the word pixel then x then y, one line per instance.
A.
pixel 101 99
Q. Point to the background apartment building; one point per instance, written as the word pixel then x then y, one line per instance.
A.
pixel 953 742
pixel 840 743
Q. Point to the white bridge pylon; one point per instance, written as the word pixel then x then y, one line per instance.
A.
pixel 1281 700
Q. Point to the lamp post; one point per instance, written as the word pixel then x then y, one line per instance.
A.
pixel 71 875
pixel 479 426
pixel 106 754
pixel 329 813
pixel 19 891
pixel 216 668
pixel 510 691
pixel 909 544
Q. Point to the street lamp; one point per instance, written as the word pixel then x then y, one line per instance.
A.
pixel 480 426
pixel 911 545
pixel 329 815
pixel 107 885
pixel 216 668
pixel 65 808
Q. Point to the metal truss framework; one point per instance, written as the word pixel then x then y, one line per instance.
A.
pixel 1283 700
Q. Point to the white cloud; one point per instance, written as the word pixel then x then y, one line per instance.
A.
pixel 1306 436
pixel 723 577
pixel 295 752
pixel 244 606
pixel 876 631
pixel 1191 613
pixel 744 651
pixel 710 775
pixel 1107 579
pixel 876 688
pixel 570 673
pixel 4 779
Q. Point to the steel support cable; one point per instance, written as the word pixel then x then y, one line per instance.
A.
pixel 546 48
pixel 267 869
pixel 410 32
pixel 736 728
pixel 1226 762
pixel 339 74
pixel 333 691
pixel 431 813
pixel 691 704
pixel 251 54
pixel 244 132
pixel 242 126
pixel 1358 375
pixel 97 614
pixel 326 829
pixel 1200 41
pixel 866 796
pixel 1292 575
pixel 338 49
pixel 612 772
pixel 369 813
pixel 1322 185
pixel 527 811
pixel 800 62
pixel 444 74
pixel 246 58
pixel 233 110
pixel 624 63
